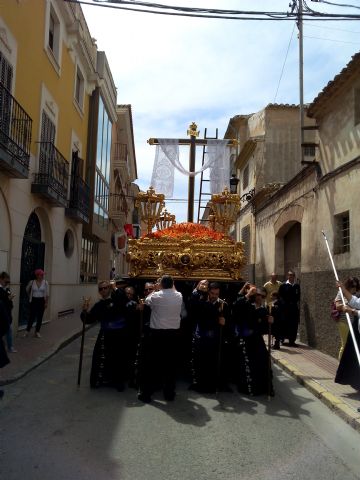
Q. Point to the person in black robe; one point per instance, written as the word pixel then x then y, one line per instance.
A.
pixel 211 339
pixel 109 361
pixel 348 372
pixel 289 294
pixel 251 320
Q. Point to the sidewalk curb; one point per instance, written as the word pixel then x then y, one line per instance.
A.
pixel 333 402
pixel 63 342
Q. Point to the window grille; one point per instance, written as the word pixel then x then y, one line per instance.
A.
pixel 89 261
pixel 245 177
pixel 342 233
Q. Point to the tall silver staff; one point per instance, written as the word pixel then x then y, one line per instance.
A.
pixel 343 301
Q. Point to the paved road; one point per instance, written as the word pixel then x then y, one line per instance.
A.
pixel 50 429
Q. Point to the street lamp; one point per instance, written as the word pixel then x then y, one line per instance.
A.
pixel 233 183
pixel 225 207
pixel 150 204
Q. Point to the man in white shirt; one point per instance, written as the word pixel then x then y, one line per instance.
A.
pixel 161 354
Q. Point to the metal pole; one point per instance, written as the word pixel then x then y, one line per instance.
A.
pixel 301 77
pixel 81 353
pixel 343 300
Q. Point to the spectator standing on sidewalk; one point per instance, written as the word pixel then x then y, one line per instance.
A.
pixel 289 294
pixel 271 286
pixel 348 372
pixel 352 285
pixel 7 298
pixel 38 291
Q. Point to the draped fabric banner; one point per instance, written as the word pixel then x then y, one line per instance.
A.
pixel 162 179
pixel 219 163
pixel 167 159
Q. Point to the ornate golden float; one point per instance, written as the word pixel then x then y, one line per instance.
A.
pixel 187 250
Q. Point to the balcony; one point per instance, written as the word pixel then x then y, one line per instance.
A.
pixel 118 209
pixel 15 136
pixel 119 161
pixel 79 202
pixel 51 183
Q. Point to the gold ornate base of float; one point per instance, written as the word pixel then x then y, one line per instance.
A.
pixel 186 251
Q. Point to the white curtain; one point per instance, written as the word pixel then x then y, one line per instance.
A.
pixel 219 160
pixel 167 159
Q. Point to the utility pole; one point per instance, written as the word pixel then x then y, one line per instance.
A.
pixel 301 76
pixel 298 4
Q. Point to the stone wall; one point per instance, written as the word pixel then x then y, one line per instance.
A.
pixel 317 328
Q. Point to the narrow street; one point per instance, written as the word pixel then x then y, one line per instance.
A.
pixel 50 429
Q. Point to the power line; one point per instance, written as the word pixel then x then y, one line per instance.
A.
pixel 312 25
pixel 159 9
pixel 283 67
pixel 337 4
pixel 332 40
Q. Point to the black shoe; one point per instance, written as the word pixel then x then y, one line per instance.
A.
pixel 144 398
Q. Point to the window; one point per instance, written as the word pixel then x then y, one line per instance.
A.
pixel 6 72
pixel 79 88
pixel 52 38
pixel 89 260
pixel 245 237
pixel 69 243
pixel 52 32
pixel 47 141
pixel 342 233
pixel 309 151
pixel 245 177
pixel 102 173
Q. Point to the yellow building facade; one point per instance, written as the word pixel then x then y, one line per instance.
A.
pixel 49 76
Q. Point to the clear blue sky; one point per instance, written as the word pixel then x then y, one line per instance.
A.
pixel 177 70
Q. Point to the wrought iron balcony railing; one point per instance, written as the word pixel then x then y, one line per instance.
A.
pixel 15 136
pixel 51 182
pixel 79 202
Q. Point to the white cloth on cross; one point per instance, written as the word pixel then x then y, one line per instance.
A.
pixel 167 159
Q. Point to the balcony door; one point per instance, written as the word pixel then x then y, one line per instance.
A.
pixel 6 76
pixel 47 140
pixel 32 257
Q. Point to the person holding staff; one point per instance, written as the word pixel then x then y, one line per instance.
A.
pixel 109 355
pixel 348 372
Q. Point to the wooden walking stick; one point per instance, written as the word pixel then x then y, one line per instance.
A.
pixel 269 359
pixel 86 303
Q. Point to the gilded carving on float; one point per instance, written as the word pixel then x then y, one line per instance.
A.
pixel 185 250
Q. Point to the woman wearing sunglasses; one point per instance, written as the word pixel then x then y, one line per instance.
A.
pixel 109 360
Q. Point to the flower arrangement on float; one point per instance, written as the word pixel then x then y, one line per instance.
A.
pixel 187 230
